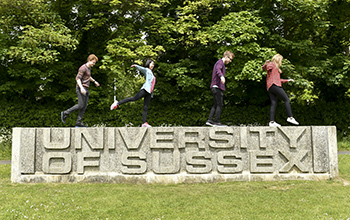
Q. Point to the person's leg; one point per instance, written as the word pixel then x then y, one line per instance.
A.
pixel 283 95
pixel 274 100
pixel 220 104
pixel 146 102
pixel 213 109
pixel 136 97
pixel 80 105
pixel 84 106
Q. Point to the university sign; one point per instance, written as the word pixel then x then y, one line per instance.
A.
pixel 173 154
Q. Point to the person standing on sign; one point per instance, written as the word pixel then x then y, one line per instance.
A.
pixel 274 87
pixel 83 79
pixel 145 91
pixel 217 88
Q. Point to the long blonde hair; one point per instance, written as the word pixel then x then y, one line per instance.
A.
pixel 277 60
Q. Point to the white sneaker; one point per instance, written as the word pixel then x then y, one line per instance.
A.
pixel 274 124
pixel 146 125
pixel 114 105
pixel 292 121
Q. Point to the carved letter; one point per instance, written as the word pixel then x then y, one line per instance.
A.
pixel 132 166
pixel 262 134
pixel 244 137
pixel 132 137
pixel 163 138
pixel 192 136
pixel 92 136
pixel 229 162
pixel 293 135
pixel 261 161
pixel 81 162
pixel 198 162
pixel 168 164
pixel 62 134
pixel 57 163
pixel 294 159
pixel 221 137
pixel 165 153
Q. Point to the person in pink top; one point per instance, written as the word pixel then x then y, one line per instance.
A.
pixel 145 91
pixel 274 87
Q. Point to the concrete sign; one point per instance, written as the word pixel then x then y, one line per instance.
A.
pixel 173 154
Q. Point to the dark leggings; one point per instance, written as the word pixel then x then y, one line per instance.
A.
pixel 146 102
pixel 275 93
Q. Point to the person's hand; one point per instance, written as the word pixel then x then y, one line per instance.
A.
pixel 133 65
pixel 223 80
pixel 83 91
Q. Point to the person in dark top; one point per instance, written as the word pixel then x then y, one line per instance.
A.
pixel 217 88
pixel 83 79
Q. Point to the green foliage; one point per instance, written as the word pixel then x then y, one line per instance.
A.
pixel 34 32
pixel 5 144
pixel 43 43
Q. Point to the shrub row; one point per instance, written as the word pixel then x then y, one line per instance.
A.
pixel 161 115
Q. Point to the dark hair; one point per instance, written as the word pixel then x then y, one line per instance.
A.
pixel 148 62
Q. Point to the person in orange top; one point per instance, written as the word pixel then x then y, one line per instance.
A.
pixel 274 87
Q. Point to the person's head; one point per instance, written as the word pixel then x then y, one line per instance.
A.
pixel 91 60
pixel 149 64
pixel 228 57
pixel 277 60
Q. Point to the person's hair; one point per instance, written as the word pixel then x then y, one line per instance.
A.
pixel 148 62
pixel 277 60
pixel 92 57
pixel 229 53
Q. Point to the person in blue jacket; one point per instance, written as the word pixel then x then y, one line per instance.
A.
pixel 145 91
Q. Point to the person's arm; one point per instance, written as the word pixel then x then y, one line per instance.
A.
pixel 140 68
pixel 264 67
pixel 80 84
pixel 287 80
pixel 82 89
pixel 94 81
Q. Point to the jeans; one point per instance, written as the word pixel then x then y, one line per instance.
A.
pixel 82 104
pixel 218 104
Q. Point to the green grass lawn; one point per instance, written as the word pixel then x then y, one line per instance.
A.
pixel 233 200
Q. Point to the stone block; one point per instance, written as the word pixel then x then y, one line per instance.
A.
pixel 173 154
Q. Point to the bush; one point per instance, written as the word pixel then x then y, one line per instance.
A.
pixel 5 144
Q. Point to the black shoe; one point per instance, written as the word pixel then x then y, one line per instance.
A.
pixel 210 123
pixel 80 125
pixel 63 117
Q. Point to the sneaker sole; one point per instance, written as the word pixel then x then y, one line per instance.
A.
pixel 209 124
pixel 293 123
